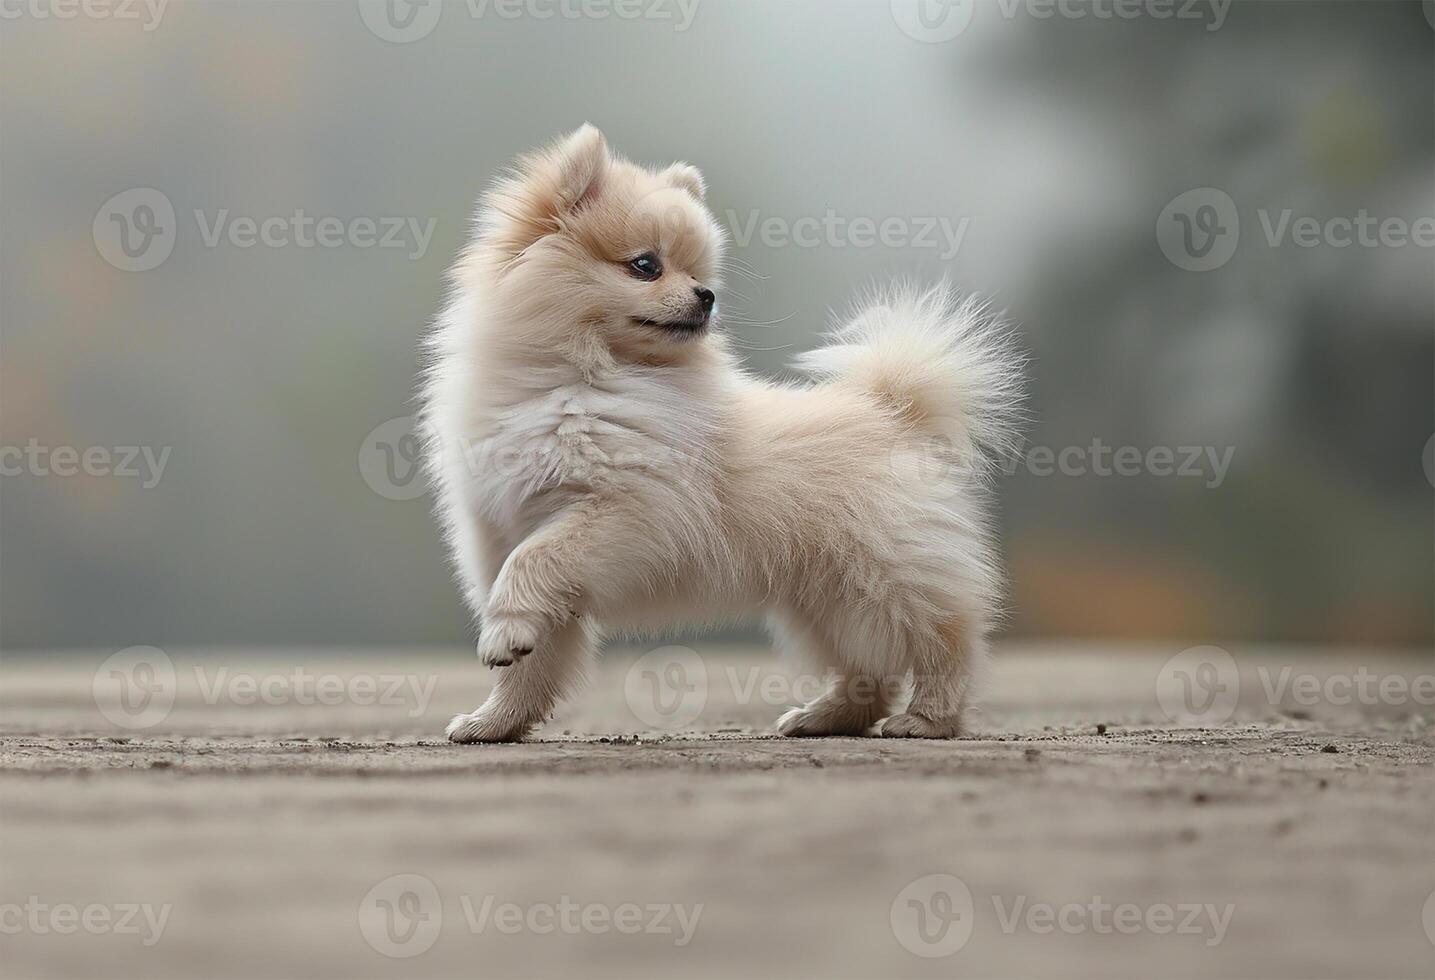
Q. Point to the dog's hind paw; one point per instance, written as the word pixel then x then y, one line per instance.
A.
pixel 916 726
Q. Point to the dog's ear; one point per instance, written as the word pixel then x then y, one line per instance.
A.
pixel 545 187
pixel 685 176
pixel 581 162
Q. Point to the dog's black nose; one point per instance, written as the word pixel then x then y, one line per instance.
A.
pixel 706 297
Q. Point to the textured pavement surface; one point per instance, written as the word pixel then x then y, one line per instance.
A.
pixel 296 814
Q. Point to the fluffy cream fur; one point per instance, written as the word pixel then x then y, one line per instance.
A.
pixel 597 469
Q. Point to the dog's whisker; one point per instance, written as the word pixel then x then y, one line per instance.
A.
pixel 741 267
pixel 746 322
pixel 745 345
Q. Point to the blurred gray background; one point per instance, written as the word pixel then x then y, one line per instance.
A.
pixel 265 370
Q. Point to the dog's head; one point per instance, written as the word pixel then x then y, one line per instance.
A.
pixel 602 245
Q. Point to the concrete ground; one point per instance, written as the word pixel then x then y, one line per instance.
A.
pixel 243 814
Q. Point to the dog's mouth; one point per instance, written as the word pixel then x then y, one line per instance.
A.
pixel 685 327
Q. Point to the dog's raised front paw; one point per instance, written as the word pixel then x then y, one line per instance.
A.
pixel 917 726
pixel 483 726
pixel 505 639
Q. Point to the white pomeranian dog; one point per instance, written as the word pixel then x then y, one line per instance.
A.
pixel 603 462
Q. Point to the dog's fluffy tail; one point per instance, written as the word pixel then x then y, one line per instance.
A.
pixel 947 364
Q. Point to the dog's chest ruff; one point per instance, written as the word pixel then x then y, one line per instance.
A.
pixel 581 437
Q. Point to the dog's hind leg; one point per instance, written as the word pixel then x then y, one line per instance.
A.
pixel 944 661
pixel 854 700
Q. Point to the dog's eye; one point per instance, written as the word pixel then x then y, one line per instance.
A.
pixel 646 266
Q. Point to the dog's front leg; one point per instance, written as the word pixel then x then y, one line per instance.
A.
pixel 531 630
pixel 537 591
pixel 528 691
